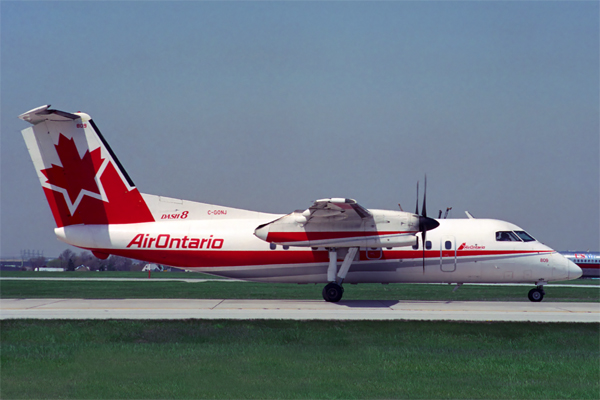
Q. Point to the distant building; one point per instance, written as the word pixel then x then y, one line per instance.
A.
pixel 153 267
pixel 49 269
pixel 12 264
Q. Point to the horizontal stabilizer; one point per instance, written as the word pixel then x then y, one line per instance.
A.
pixel 44 113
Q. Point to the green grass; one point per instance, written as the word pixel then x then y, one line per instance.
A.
pixel 249 290
pixel 106 274
pixel 292 359
pixel 580 281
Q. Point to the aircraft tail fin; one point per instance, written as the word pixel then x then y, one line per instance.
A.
pixel 82 179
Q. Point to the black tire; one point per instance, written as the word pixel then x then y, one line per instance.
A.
pixel 333 292
pixel 536 295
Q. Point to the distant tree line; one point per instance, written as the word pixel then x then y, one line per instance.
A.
pixel 69 260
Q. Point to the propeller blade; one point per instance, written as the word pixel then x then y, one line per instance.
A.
pixel 424 236
pixel 425 198
pixel 425 223
pixel 417 208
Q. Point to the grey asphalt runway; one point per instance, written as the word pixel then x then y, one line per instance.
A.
pixel 297 310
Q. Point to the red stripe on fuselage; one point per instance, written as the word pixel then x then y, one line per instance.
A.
pixel 233 258
pixel 587 265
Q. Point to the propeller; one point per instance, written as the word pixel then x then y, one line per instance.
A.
pixel 417 207
pixel 425 223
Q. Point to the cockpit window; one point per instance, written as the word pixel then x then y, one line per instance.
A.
pixel 524 236
pixel 507 236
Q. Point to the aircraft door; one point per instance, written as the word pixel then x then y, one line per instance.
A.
pixel 448 254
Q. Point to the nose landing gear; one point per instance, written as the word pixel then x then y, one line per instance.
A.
pixel 537 294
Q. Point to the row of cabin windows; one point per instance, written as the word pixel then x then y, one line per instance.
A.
pixel 585 260
pixel 503 236
pixel 429 245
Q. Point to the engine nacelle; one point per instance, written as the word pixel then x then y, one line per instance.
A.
pixel 379 229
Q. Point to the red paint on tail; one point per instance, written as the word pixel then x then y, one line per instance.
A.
pixel 90 190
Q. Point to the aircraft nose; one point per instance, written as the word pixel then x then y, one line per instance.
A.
pixel 573 270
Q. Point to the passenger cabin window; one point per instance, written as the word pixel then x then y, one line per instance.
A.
pixel 428 245
pixel 524 236
pixel 448 245
pixel 507 236
pixel 416 245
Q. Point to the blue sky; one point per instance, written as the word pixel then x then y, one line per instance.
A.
pixel 271 105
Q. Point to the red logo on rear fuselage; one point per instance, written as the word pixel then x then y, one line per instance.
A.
pixel 183 215
pixel 464 246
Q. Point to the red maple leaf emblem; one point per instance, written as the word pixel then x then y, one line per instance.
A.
pixel 77 173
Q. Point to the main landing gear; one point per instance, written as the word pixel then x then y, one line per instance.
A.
pixel 537 294
pixel 333 291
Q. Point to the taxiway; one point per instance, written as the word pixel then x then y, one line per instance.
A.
pixel 297 310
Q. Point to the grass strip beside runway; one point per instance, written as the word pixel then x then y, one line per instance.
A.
pixel 291 359
pixel 107 274
pixel 249 290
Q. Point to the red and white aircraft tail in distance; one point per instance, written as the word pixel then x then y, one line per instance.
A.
pixel 97 207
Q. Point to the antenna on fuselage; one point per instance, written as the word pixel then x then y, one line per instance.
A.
pixel 447 210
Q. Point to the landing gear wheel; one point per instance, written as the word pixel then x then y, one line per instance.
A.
pixel 536 295
pixel 333 292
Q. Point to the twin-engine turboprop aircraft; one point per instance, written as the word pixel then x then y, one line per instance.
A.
pixel 97 207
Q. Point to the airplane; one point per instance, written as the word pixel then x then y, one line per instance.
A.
pixel 588 261
pixel 97 207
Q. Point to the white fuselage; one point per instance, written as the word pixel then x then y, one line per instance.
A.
pixel 462 251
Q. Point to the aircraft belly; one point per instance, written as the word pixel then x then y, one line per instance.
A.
pixel 284 273
pixel 381 271
pixel 360 272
